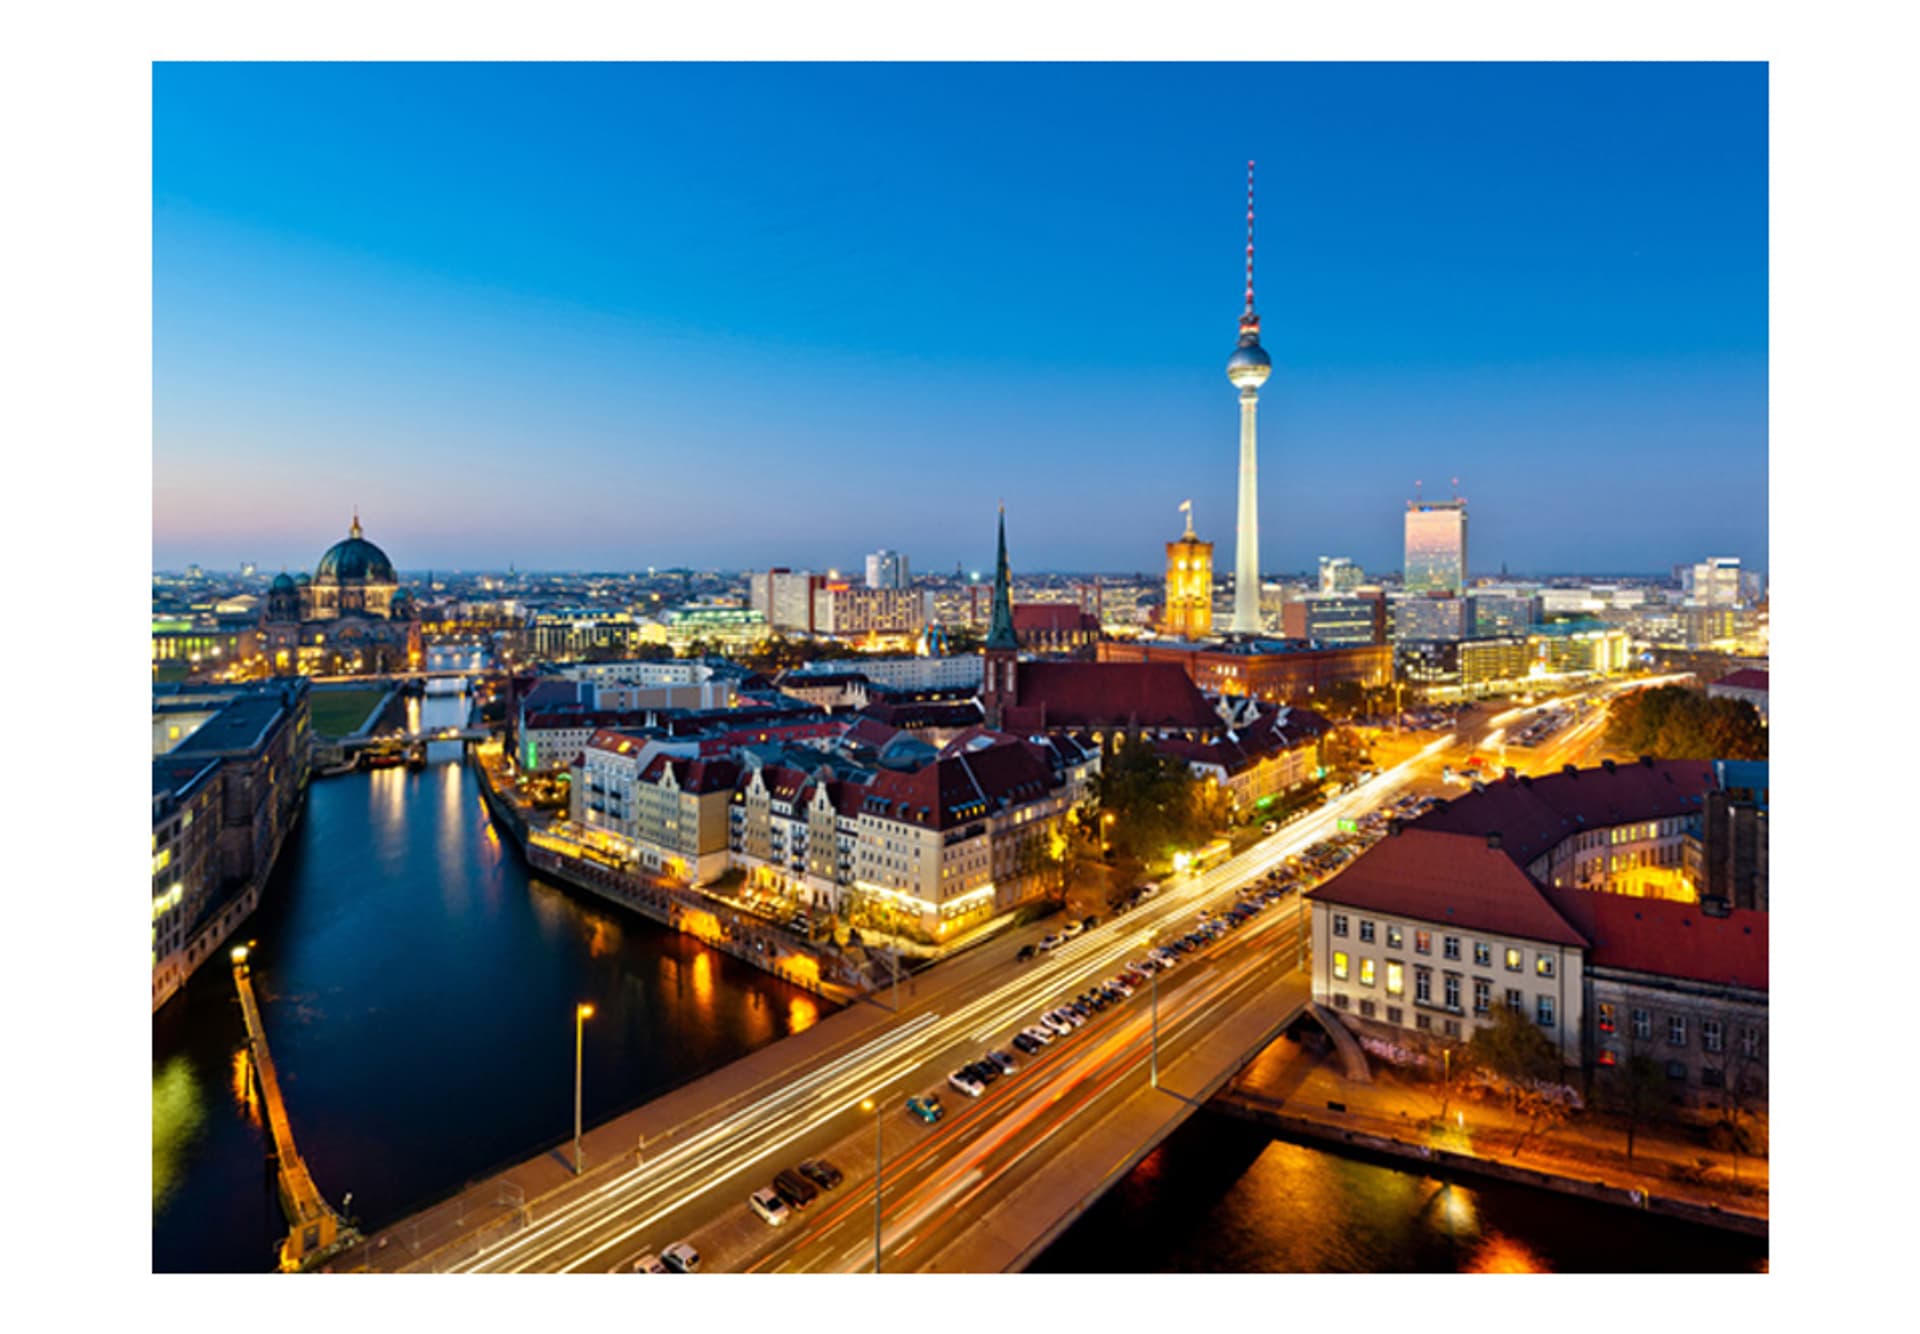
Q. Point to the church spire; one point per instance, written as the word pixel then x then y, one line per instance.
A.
pixel 354 531
pixel 1000 635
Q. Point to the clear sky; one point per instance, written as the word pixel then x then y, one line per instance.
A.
pixel 611 316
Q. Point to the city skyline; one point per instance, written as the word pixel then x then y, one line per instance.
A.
pixel 507 351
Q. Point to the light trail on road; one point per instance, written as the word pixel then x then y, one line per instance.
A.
pixel 612 1214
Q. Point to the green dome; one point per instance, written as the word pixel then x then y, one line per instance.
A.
pixel 355 561
pixel 282 582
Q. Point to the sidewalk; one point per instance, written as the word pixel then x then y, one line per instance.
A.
pixel 1298 1085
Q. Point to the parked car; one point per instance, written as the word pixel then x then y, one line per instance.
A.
pixel 681 1258
pixel 1072 929
pixel 771 1208
pixel 1004 1060
pixel 1060 1023
pixel 1026 952
pixel 1050 942
pixel 822 1173
pixel 1270 827
pixel 964 1081
pixel 1090 922
pixel 650 1264
pixel 1025 1045
pixel 927 1108
pixel 795 1189
pixel 1038 1033
pixel 984 1070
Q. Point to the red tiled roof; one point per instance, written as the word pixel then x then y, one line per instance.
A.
pixel 960 788
pixel 1451 880
pixel 1747 678
pixel 697 776
pixel 1107 695
pixel 1668 939
pixel 1051 618
pixel 1534 815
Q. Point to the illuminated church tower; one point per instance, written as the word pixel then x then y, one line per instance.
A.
pixel 1189 613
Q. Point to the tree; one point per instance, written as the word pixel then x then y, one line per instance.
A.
pixel 1678 723
pixel 1512 1046
pixel 1639 1092
pixel 1157 804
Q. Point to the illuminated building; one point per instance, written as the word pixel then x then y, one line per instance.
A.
pixel 1189 611
pixel 351 618
pixel 1340 575
pixel 1279 671
pixel 1335 619
pixel 731 628
pixel 1055 627
pixel 1436 546
pixel 1248 369
pixel 844 609
pixel 888 569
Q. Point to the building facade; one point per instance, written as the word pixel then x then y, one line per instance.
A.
pixel 1189 606
pixel 1436 547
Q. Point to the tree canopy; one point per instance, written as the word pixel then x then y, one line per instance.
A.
pixel 1678 723
pixel 1158 805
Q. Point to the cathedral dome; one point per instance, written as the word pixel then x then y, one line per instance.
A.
pixel 354 561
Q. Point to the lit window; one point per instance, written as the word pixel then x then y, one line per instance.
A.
pixel 1366 972
pixel 1543 965
pixel 1394 938
pixel 1340 965
pixel 1483 954
pixel 1606 1017
pixel 1513 960
pixel 1396 978
pixel 1423 942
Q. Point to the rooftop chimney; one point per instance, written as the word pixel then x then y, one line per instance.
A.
pixel 1569 771
pixel 1493 838
pixel 1647 760
pixel 1607 765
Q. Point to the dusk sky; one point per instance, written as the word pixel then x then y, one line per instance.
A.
pixel 612 316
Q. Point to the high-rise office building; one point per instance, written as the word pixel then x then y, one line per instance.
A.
pixel 1340 575
pixel 1717 582
pixel 1436 546
pixel 888 569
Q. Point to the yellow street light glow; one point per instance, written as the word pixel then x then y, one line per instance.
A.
pixel 586 1012
pixel 239 953
pixel 866 1104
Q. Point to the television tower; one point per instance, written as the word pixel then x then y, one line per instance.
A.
pixel 1248 368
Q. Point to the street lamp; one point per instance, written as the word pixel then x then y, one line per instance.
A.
pixel 879 1167
pixel 1153 1074
pixel 581 1013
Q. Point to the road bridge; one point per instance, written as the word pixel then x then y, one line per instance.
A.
pixel 985 1188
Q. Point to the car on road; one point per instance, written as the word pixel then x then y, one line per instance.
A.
pixel 1038 1033
pixel 1090 921
pixel 771 1208
pixel 927 1108
pixel 681 1258
pixel 964 1081
pixel 1060 1022
pixel 984 1071
pixel 1050 942
pixel 1072 929
pixel 1147 891
pixel 1004 1060
pixel 1025 1045
pixel 822 1173
pixel 650 1264
pixel 1270 827
pixel 1122 984
pixel 1026 952
pixel 795 1189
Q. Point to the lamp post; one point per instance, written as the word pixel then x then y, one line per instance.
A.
pixel 879 1167
pixel 581 1013
pixel 1153 1058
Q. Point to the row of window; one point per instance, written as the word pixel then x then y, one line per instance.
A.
pixel 1345 969
pixel 1543 964
pixel 1712 1032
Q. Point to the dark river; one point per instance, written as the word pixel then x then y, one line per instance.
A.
pixel 418 988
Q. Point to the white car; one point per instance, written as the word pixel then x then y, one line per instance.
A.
pixel 1071 929
pixel 1270 827
pixel 1057 1023
pixel 681 1258
pixel 1040 1033
pixel 1050 942
pixel 966 1083
pixel 770 1207
pixel 649 1264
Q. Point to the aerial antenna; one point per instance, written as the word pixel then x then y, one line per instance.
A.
pixel 1456 488
pixel 1249 312
pixel 1416 491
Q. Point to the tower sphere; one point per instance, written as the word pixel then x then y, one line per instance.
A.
pixel 1249 365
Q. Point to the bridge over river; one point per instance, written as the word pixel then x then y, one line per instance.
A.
pixel 984 1189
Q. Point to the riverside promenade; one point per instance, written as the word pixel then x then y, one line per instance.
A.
pixel 1300 1096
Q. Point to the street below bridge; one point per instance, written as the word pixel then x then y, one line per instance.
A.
pixel 981 1189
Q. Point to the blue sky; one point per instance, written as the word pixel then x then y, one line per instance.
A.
pixel 607 316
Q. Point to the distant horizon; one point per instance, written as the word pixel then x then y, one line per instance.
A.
pixel 547 310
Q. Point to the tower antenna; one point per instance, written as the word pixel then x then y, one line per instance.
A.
pixel 1416 491
pixel 1249 313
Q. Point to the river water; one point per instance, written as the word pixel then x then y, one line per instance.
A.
pixel 418 986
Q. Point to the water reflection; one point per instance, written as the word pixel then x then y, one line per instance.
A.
pixel 246 1089
pixel 1501 1254
pixel 802 1014
pixel 179 1114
